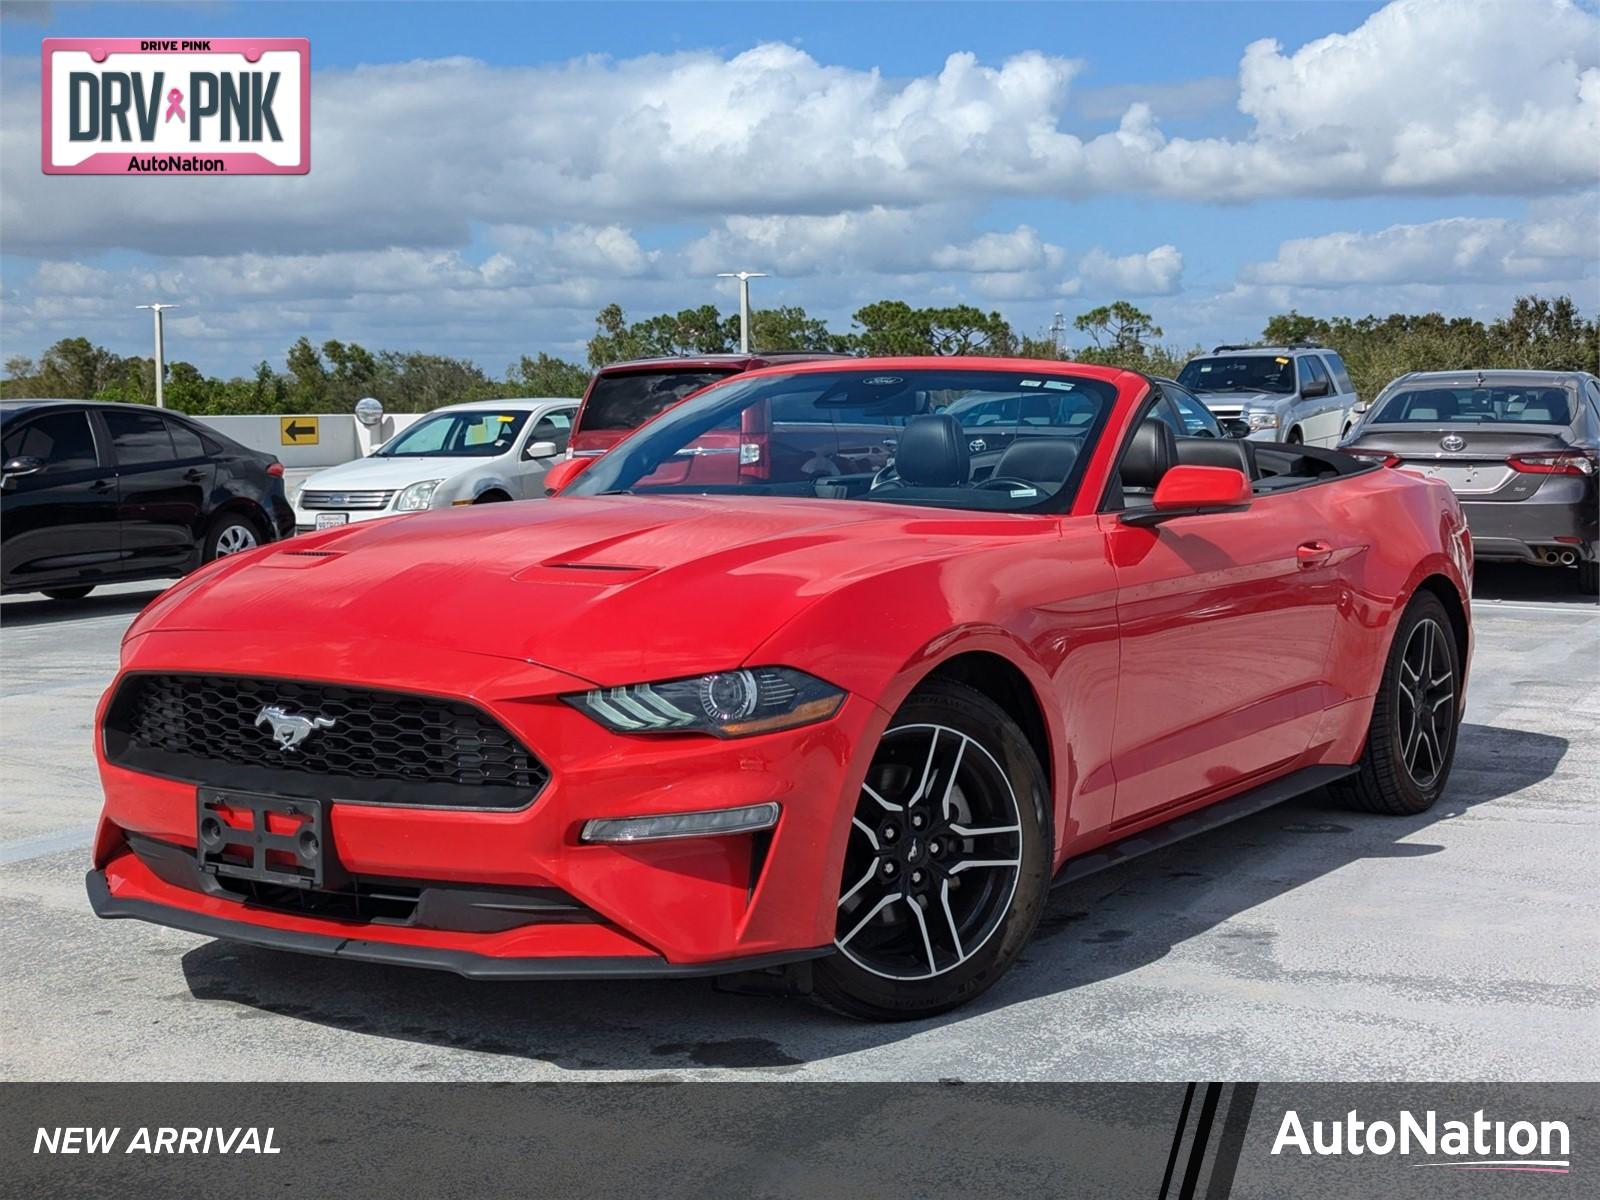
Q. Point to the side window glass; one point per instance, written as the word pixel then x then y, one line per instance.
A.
pixel 139 438
pixel 62 441
pixel 185 441
pixel 1168 415
pixel 1336 368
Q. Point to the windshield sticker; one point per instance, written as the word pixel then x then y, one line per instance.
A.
pixel 1060 385
pixel 882 380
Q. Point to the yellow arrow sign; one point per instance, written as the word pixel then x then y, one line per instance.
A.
pixel 298 431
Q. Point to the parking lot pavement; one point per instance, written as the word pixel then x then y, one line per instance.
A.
pixel 1303 943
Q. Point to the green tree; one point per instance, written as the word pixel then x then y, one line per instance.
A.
pixel 1118 327
pixel 546 376
pixel 788 328
pixel 310 376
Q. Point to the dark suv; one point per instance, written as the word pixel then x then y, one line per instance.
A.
pixel 624 395
pixel 96 493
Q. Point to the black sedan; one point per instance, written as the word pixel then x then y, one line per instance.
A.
pixel 96 493
pixel 1520 449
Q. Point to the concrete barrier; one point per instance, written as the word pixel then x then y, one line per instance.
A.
pixel 340 437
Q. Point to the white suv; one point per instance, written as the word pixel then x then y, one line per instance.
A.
pixel 1296 394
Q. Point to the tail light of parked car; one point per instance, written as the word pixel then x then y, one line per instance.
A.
pixel 1561 462
pixel 1382 457
pixel 755 445
pixel 275 469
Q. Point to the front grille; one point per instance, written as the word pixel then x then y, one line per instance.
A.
pixel 375 747
pixel 309 499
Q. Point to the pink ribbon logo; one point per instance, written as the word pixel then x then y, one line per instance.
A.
pixel 175 105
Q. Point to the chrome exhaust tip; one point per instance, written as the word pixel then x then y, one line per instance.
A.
pixel 1568 558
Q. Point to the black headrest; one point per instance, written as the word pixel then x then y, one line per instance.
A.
pixel 1219 452
pixel 932 452
pixel 1150 455
pixel 1038 459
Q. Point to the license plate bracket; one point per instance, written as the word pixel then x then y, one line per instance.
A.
pixel 269 839
pixel 332 520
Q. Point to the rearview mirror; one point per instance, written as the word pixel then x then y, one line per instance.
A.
pixel 564 472
pixel 1193 491
pixel 540 450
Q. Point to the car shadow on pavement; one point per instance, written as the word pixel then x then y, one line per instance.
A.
pixel 1097 928
pixel 41 610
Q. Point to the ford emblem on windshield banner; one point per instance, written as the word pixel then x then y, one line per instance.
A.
pixel 171 106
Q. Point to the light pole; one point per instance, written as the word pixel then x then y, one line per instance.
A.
pixel 1057 328
pixel 744 278
pixel 161 351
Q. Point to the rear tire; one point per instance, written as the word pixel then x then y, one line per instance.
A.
pixel 230 533
pixel 1411 741
pixel 69 593
pixel 948 863
pixel 1589 574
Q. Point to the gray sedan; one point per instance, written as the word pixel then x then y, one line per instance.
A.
pixel 1519 448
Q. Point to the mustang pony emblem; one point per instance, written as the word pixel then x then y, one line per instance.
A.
pixel 290 729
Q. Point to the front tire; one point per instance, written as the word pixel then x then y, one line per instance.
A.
pixel 1411 742
pixel 1589 574
pixel 948 863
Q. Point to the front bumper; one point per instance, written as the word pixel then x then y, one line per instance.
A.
pixel 703 905
pixel 467 963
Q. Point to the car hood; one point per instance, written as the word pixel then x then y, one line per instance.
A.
pixel 388 473
pixel 1239 400
pixel 611 589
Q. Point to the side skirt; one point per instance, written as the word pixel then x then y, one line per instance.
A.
pixel 1201 820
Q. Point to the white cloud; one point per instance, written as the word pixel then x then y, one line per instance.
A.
pixel 1560 239
pixel 1426 95
pixel 1156 273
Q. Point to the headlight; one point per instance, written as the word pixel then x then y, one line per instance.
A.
pixel 727 704
pixel 1262 420
pixel 418 495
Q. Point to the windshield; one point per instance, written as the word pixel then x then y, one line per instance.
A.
pixel 1240 373
pixel 1514 405
pixel 627 401
pixel 485 434
pixel 958 438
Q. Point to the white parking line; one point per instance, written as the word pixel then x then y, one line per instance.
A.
pixel 23 849
pixel 1574 610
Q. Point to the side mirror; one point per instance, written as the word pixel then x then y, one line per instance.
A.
pixel 564 472
pixel 1235 427
pixel 1315 388
pixel 540 450
pixel 1193 491
pixel 15 467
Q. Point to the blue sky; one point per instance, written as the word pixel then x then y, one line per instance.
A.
pixel 486 175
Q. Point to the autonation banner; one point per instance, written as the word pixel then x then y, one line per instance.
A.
pixel 1171 1141
pixel 171 106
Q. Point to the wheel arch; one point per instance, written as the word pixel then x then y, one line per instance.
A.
pixel 1002 681
pixel 242 506
pixel 1442 587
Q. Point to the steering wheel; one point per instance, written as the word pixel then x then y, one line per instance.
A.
pixel 1007 481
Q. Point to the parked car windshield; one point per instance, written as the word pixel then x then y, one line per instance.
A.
pixel 477 434
pixel 994 440
pixel 627 400
pixel 1517 404
pixel 1240 373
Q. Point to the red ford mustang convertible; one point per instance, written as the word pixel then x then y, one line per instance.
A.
pixel 832 718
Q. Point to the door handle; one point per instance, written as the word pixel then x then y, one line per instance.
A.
pixel 194 475
pixel 101 485
pixel 1313 554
